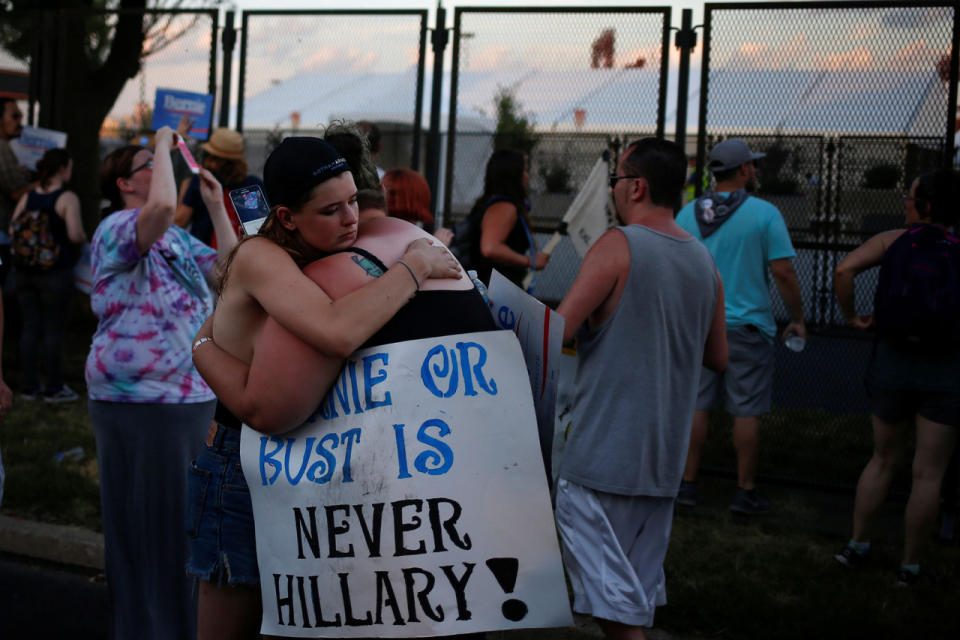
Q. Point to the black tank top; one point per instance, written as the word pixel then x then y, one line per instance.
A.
pixel 431 314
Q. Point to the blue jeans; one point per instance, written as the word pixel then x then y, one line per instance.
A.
pixel 223 548
pixel 44 308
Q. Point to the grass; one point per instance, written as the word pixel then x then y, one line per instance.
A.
pixel 31 434
pixel 727 577
pixel 776 578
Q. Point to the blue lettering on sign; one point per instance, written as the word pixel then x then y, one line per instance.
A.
pixel 369 380
pixel 441 363
pixel 319 470
pixel 435 461
pixel 346 391
pixel 506 318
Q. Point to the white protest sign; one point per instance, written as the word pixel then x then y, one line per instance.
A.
pixel 588 217
pixel 34 142
pixel 540 332
pixel 413 502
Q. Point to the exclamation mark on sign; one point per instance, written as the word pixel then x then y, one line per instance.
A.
pixel 505 571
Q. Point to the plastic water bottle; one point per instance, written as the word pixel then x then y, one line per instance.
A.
pixel 70 455
pixel 479 286
pixel 795 343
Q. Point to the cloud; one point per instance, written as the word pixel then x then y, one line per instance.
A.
pixel 857 59
pixel 489 58
pixel 330 58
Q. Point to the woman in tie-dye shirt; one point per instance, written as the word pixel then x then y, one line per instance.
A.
pixel 149 407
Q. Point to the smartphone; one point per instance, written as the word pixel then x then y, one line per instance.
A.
pixel 185 152
pixel 251 208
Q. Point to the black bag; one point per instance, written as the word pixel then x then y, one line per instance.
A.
pixel 34 247
pixel 465 245
pixel 918 290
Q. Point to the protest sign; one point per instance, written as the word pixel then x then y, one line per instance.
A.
pixel 540 332
pixel 34 142
pixel 589 214
pixel 412 503
pixel 170 105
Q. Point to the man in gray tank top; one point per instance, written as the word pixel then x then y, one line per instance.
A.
pixel 647 307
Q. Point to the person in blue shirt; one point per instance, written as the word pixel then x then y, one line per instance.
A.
pixel 745 235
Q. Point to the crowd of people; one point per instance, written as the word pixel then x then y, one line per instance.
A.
pixel 202 329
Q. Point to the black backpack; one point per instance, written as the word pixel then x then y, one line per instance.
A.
pixel 34 246
pixel 918 290
pixel 465 245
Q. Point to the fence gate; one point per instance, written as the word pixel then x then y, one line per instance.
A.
pixel 849 100
pixel 300 69
pixel 578 75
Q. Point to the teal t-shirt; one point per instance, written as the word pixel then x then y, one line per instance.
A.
pixel 742 249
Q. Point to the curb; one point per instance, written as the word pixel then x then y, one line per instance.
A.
pixel 63 544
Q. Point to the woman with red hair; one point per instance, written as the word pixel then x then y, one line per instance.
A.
pixel 408 197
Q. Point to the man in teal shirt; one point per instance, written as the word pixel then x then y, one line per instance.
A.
pixel 744 234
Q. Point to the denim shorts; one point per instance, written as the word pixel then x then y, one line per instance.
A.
pixel 223 547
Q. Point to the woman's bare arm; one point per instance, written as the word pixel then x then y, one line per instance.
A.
pixel 867 255
pixel 156 215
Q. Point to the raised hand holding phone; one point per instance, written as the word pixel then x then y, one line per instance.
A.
pixel 250 207
pixel 187 156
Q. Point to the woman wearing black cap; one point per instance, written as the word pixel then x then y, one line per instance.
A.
pixel 314 214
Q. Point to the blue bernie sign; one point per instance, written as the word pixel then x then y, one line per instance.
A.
pixel 170 105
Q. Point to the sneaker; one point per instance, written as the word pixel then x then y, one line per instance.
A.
pixel 906 578
pixel 749 503
pixel 850 557
pixel 31 393
pixel 63 394
pixel 687 496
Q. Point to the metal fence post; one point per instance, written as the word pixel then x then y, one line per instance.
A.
pixel 229 39
pixel 686 40
pixel 439 42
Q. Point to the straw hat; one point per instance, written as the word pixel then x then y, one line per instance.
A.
pixel 224 143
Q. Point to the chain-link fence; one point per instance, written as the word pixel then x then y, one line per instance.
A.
pixel 849 101
pixel 300 70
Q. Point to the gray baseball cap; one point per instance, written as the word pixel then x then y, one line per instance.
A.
pixel 731 153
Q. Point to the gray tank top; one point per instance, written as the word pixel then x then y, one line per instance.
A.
pixel 637 375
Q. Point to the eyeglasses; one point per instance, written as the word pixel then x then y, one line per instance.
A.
pixel 614 177
pixel 909 198
pixel 146 165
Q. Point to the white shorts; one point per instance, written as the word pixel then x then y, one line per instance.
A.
pixel 613 551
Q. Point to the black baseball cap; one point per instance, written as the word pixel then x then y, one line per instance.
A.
pixel 297 165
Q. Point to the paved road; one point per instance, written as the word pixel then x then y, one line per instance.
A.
pixel 45 600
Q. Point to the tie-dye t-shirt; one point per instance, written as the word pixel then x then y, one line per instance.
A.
pixel 149 307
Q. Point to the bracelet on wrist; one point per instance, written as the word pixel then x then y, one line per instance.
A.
pixel 413 275
pixel 200 341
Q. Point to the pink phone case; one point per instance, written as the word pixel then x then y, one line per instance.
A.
pixel 191 161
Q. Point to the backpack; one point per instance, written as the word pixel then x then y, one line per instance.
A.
pixel 34 247
pixel 918 290
pixel 465 245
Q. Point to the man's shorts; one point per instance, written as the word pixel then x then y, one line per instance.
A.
pixel 745 389
pixel 942 407
pixel 222 542
pixel 613 550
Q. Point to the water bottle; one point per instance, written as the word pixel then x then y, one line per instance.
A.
pixel 479 286
pixel 70 455
pixel 795 343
